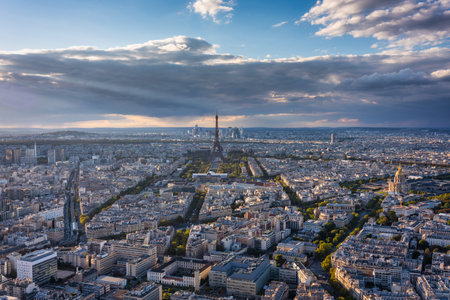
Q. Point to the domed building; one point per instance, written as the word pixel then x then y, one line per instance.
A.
pixel 399 185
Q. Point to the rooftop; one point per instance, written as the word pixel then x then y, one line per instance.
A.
pixel 37 255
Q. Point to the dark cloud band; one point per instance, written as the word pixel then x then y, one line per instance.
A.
pixel 181 77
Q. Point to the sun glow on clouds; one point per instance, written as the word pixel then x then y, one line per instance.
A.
pixel 347 120
pixel 441 73
pixel 136 121
pixel 364 100
pixel 259 120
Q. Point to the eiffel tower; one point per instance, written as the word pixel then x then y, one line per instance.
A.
pixel 216 152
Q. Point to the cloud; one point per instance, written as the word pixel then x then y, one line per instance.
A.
pixel 290 97
pixel 441 73
pixel 258 120
pixel 401 78
pixel 347 120
pixel 369 101
pixel 212 8
pixel 181 80
pixel 279 24
pixel 402 23
pixel 135 121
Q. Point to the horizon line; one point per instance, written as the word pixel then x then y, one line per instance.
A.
pixel 188 127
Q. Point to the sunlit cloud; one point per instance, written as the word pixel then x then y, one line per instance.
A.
pixel 212 8
pixel 259 120
pixel 347 120
pixel 441 73
pixel 400 23
pixel 369 101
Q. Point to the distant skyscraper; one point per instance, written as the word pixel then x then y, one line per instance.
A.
pixel 17 155
pixel 51 156
pixel 55 155
pixel 74 231
pixel 232 133
pixel 30 156
pixel 196 131
pixel 60 154
pixel 332 139
pixel 9 156
pixel 5 207
pixel 216 152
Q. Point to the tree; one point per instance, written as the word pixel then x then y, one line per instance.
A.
pixel 389 219
pixel 382 220
pixel 220 247
pixel 310 212
pixel 355 231
pixel 84 219
pixel 427 258
pixel 396 237
pixel 178 245
pixel 279 260
pixel 181 250
pixel 326 264
pixel 422 245
pixel 392 217
pixel 323 250
pixel 329 226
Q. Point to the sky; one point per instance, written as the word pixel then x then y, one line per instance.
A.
pixel 259 63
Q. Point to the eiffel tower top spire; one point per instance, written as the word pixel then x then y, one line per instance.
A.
pixel 216 136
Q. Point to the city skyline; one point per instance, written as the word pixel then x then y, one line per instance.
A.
pixel 174 63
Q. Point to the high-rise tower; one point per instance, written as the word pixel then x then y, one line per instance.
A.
pixel 216 152
pixel 74 231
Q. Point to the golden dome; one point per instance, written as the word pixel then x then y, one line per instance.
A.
pixel 399 171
